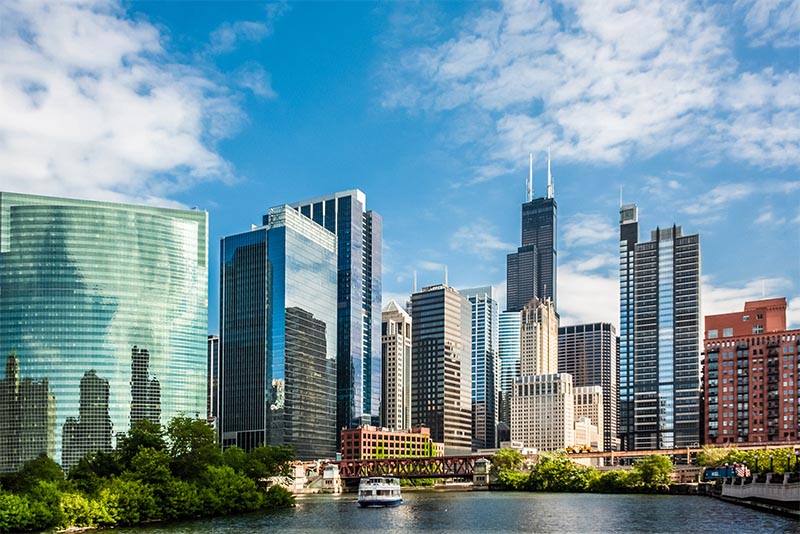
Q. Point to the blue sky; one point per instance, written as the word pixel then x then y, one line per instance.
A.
pixel 692 108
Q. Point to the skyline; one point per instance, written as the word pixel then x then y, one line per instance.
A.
pixel 430 108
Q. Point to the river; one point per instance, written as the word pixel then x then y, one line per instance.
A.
pixel 454 512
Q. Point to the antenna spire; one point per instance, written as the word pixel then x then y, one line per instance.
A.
pixel 549 177
pixel 445 275
pixel 529 184
pixel 415 281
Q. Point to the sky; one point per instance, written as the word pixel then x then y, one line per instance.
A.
pixel 691 110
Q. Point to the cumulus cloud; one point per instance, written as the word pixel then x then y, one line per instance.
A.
pixel 603 82
pixel 718 299
pixel 92 106
pixel 775 22
pixel 586 297
pixel 479 239
pixel 588 229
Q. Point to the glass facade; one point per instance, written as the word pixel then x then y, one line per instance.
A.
pixel 510 328
pixel 103 321
pixel 359 241
pixel 440 367
pixel 531 271
pixel 629 236
pixel 485 366
pixel 278 336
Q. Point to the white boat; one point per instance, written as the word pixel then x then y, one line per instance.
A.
pixel 379 491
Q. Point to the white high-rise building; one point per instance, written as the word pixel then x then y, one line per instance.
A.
pixel 543 411
pixel 396 350
pixel 589 405
pixel 539 338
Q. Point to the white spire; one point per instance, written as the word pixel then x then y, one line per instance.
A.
pixel 415 281
pixel 529 184
pixel 445 275
pixel 549 177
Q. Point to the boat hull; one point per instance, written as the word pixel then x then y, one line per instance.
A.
pixel 375 503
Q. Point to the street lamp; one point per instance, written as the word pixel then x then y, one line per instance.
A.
pixel 771 456
pixel 788 462
pixel 756 456
pixel 797 461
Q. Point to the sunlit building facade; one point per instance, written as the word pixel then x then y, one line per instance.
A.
pixel 103 318
pixel 359 239
pixel 278 336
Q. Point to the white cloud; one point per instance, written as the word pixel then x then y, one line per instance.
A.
pixel 426 265
pixel 253 77
pixel 227 36
pixel 718 299
pixel 718 198
pixel 775 22
pixel 585 297
pixel 605 81
pixel 587 229
pixel 478 239
pixel 91 106
pixel 793 313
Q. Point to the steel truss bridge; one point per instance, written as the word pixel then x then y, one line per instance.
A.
pixel 432 467
pixel 463 466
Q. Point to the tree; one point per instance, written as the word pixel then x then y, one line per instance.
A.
pixel 506 460
pixel 268 461
pixel 235 458
pixel 654 470
pixel 712 456
pixel 151 466
pixel 40 469
pixel 192 446
pixel 143 433
pixel 556 472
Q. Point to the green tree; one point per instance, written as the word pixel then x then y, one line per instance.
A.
pixel 129 502
pixel 180 500
pixel 192 446
pixel 613 481
pixel 223 491
pixel 653 471
pixel 40 469
pixel 151 466
pixel 712 456
pixel 268 461
pixel 507 460
pixel 556 472
pixel 235 458
pixel 91 471
pixel 143 433
pixel 44 503
pixel 15 514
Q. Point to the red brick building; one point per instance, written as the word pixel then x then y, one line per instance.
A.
pixel 369 442
pixel 750 376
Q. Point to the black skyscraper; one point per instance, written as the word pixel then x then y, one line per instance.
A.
pixel 531 271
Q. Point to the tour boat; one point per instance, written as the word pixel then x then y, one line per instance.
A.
pixel 379 491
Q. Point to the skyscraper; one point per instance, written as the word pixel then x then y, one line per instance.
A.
pixel 751 376
pixel 396 349
pixel 359 241
pixel 278 336
pixel 510 328
pixel 440 366
pixel 628 237
pixel 589 353
pixel 531 271
pixel 539 338
pixel 666 352
pixel 485 366
pixel 81 284
pixel 212 404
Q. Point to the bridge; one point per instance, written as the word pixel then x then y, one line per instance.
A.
pixel 431 467
pixel 463 466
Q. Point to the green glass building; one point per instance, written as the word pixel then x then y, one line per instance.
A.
pixel 103 321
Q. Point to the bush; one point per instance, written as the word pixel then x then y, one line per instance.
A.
pixel 278 497
pixel 15 513
pixel 128 502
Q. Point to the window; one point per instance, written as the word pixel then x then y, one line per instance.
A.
pixel 757 329
pixel 713 334
pixel 745 317
pixel 727 332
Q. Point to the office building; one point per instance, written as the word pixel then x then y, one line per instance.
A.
pixel 539 338
pixel 589 405
pixel 750 376
pixel 664 378
pixel 510 328
pixel 589 353
pixel 278 336
pixel 212 394
pixel 440 366
pixel 531 271
pixel 543 412
pixel 396 349
pixel 369 442
pixel 359 241
pixel 485 365
pixel 104 302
